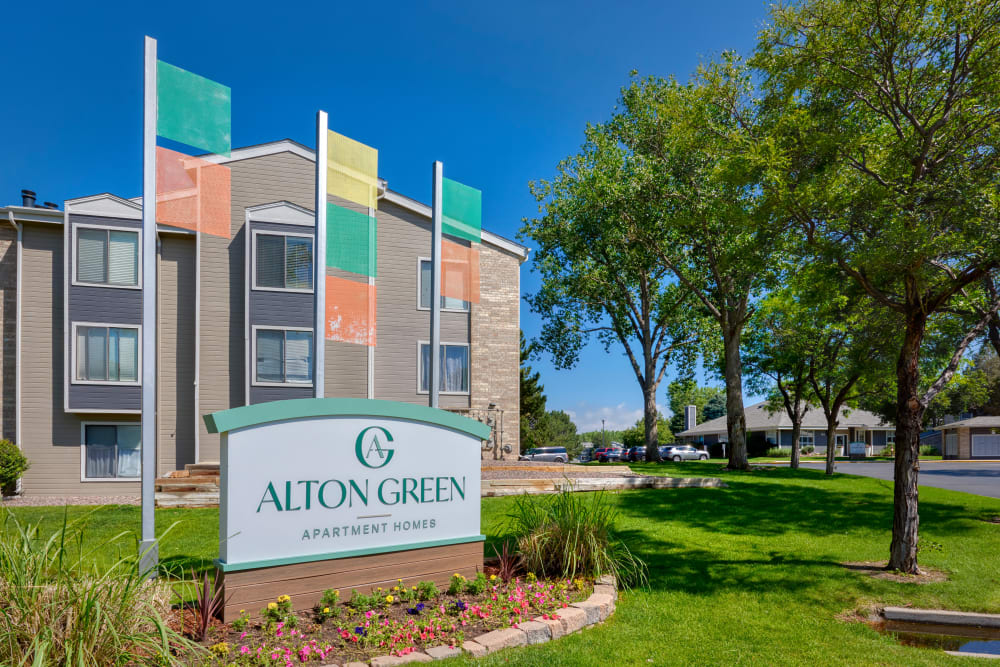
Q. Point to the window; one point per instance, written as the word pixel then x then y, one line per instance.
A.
pixel 111 451
pixel 283 356
pixel 454 368
pixel 424 287
pixel 283 262
pixel 106 354
pixel 108 257
pixel 890 437
pixel 807 438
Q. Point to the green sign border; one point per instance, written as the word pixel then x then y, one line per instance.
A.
pixel 304 408
pixel 291 560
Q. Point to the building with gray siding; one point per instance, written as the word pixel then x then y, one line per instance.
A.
pixel 235 324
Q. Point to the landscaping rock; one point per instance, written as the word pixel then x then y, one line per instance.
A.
pixel 593 611
pixel 354 664
pixel 572 619
pixel 603 589
pixel 416 656
pixel 607 580
pixel 386 661
pixel 605 602
pixel 475 649
pixel 536 632
pixel 498 639
pixel 555 626
pixel 442 652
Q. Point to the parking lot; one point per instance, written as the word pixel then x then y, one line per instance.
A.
pixel 979 477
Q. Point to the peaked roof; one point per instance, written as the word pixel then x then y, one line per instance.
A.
pixel 760 419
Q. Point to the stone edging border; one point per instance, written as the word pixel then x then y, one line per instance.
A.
pixel 598 607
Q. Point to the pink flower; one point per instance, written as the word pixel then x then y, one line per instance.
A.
pixel 244 649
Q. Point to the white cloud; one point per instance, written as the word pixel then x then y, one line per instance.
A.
pixel 587 416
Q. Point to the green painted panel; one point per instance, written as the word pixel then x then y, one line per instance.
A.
pixel 350 240
pixel 302 408
pixel 461 210
pixel 193 110
pixel 291 560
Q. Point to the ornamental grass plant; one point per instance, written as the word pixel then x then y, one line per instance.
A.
pixel 59 608
pixel 571 535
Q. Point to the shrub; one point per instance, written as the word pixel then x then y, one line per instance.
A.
pixel 779 453
pixel 12 465
pixel 279 611
pixel 808 449
pixel 570 535
pixel 328 605
pixel 60 609
pixel 426 590
pixel 929 450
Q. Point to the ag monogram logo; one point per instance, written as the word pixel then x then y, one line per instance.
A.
pixel 370 451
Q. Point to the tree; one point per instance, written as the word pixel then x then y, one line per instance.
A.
pixel 889 132
pixel 777 359
pixel 556 429
pixel 532 401
pixel 685 392
pixel 701 141
pixel 716 407
pixel 600 273
pixel 635 436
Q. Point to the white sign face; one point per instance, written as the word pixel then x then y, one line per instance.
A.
pixel 323 486
pixel 857 448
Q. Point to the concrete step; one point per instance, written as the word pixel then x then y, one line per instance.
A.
pixel 203 467
pixel 188 499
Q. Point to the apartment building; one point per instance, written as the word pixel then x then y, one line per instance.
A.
pixel 235 324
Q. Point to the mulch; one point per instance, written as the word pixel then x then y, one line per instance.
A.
pixel 877 570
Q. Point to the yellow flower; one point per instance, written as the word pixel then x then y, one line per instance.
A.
pixel 326 610
pixel 400 580
pixel 395 588
pixel 272 605
pixel 493 577
pixel 414 588
pixel 456 575
pixel 283 598
pixel 380 589
pixel 389 599
pixel 243 611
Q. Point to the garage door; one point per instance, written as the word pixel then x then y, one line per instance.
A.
pixel 986 445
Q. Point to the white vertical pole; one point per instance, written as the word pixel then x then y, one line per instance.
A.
pixel 319 257
pixel 372 255
pixel 436 285
pixel 148 548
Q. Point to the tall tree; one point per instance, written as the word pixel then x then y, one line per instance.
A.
pixel 532 397
pixel 701 141
pixel 891 149
pixel 600 274
pixel 686 391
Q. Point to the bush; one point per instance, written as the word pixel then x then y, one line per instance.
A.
pixel 929 450
pixel 570 535
pixel 808 449
pixel 779 452
pixel 12 465
pixel 59 610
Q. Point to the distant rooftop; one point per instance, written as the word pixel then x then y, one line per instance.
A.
pixel 759 418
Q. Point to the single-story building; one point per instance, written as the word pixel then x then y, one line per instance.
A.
pixel 975 438
pixel 775 428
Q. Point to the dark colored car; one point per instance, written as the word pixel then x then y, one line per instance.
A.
pixel 682 453
pixel 605 454
pixel 636 454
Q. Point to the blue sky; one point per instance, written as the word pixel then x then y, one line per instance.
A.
pixel 500 92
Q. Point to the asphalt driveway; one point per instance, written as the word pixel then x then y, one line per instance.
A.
pixel 981 478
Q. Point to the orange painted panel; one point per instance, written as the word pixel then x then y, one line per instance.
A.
pixel 350 311
pixel 192 193
pixel 459 271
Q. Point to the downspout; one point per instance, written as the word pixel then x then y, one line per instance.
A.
pixel 17 339
pixel 197 347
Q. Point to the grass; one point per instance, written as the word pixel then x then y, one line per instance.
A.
pixel 749 574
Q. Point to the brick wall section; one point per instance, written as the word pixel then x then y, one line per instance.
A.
pixel 495 352
pixel 8 324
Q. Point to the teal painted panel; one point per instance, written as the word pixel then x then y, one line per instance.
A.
pixel 461 210
pixel 193 110
pixel 275 562
pixel 302 408
pixel 350 241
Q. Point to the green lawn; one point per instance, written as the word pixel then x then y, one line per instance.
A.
pixel 744 575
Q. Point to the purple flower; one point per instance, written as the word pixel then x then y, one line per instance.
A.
pixel 360 631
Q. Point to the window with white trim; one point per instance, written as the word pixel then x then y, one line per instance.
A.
pixel 106 353
pixel 890 437
pixel 283 262
pixel 807 438
pixel 424 288
pixel 108 257
pixel 454 368
pixel 283 356
pixel 112 451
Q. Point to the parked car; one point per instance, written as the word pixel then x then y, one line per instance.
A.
pixel 682 453
pixel 605 454
pixel 554 454
pixel 636 454
pixel 586 455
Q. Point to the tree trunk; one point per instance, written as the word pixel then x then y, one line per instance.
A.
pixel 736 422
pixel 831 439
pixel 909 418
pixel 649 421
pixel 796 432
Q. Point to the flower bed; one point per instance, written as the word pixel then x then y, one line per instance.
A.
pixel 395 621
